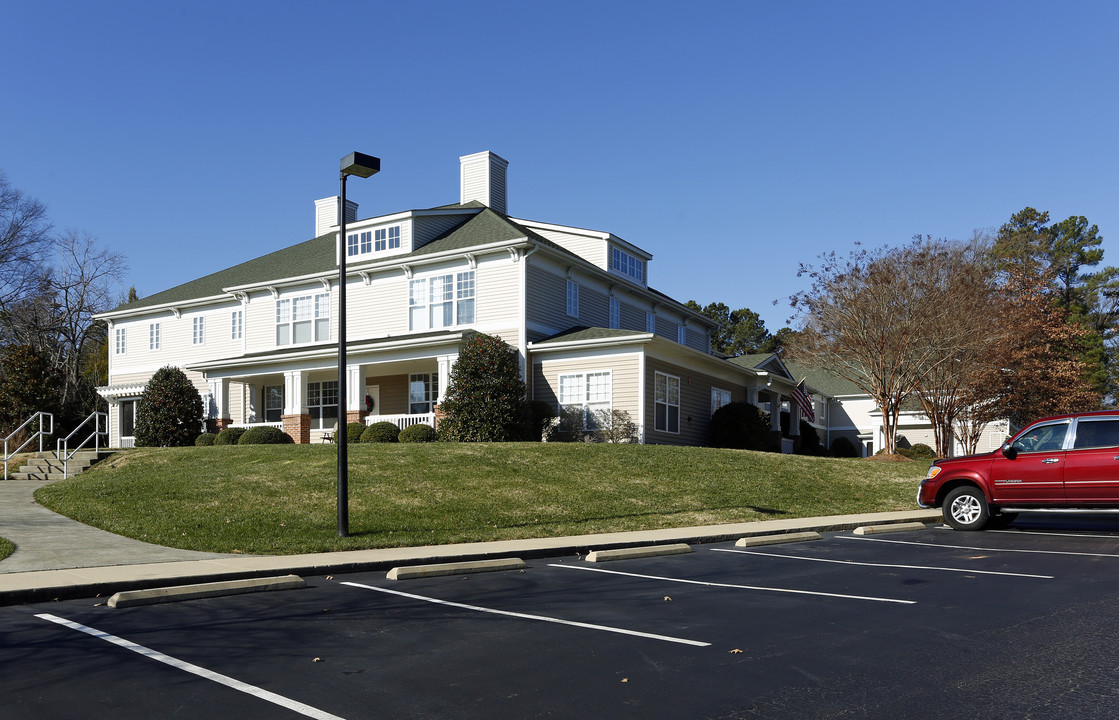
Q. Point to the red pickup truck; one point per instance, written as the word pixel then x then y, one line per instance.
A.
pixel 1063 463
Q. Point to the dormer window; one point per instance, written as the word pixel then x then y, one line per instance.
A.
pixel 388 238
pixel 368 241
pixel 629 265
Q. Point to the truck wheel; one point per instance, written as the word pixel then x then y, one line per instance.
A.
pixel 965 508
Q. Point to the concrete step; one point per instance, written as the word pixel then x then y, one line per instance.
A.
pixel 42 476
pixel 46 467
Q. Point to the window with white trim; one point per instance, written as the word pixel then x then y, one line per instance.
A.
pixel 441 301
pixel 322 404
pixel 153 336
pixel 120 338
pixel 627 264
pixel 666 403
pixel 198 335
pixel 237 325
pixel 423 393
pixel 303 319
pixel 615 313
pixel 719 398
pixel 572 298
pixel 650 322
pixel 590 392
pixel 387 238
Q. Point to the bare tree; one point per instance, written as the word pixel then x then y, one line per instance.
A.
pixel 24 239
pixel 882 320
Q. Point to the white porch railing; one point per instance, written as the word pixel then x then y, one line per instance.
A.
pixel 402 421
pixel 279 425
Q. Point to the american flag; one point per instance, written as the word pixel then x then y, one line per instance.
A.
pixel 804 402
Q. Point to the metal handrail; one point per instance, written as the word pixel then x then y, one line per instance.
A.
pixel 38 434
pixel 64 454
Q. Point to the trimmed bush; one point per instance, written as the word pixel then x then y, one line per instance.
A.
pixel 614 426
pixel 205 439
pixel 540 417
pixel 485 400
pixel 353 432
pixel 229 436
pixel 809 440
pixel 921 451
pixel 740 425
pixel 265 435
pixel 841 447
pixel 170 410
pixel 381 432
pixel 418 433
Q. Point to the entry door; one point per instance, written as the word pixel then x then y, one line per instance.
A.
pixel 1036 474
pixel 373 399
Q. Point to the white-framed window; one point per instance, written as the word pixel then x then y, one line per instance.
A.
pixel 303 319
pixel 154 332
pixel 387 238
pixel 627 264
pixel 274 403
pixel 322 404
pixel 120 341
pixel 590 392
pixel 423 392
pixel 572 298
pixel 237 325
pixel 719 398
pixel 441 301
pixel 650 322
pixel 615 313
pixel 198 335
pixel 666 403
pixel 681 335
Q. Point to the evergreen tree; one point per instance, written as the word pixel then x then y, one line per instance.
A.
pixel 485 401
pixel 170 410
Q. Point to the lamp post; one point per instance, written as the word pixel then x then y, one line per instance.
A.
pixel 361 165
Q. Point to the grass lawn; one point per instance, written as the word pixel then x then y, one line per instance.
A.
pixel 281 499
pixel 7 547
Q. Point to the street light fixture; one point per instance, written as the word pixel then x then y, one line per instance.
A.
pixel 361 165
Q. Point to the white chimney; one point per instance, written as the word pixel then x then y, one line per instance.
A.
pixel 326 214
pixel 483 179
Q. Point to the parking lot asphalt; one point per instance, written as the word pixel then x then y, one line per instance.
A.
pixel 81 561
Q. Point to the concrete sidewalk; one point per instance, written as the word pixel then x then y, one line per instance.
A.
pixel 59 558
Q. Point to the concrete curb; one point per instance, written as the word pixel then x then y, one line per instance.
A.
pixel 87 582
pixel 178 593
pixel 459 568
pixel 896 527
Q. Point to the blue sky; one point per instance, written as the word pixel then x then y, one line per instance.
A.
pixel 733 140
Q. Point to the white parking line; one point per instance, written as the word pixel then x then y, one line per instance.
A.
pixel 884 565
pixel 738 587
pixel 196 670
pixel 524 616
pixel 970 547
pixel 1056 534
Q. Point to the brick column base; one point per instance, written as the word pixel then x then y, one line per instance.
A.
pixel 353 416
pixel 438 416
pixel 298 427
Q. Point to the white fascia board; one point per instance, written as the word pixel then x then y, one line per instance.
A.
pixel 323 351
pixel 598 234
pixel 639 339
pixel 163 307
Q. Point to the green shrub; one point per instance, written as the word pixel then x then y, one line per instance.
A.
pixel 353 432
pixel 904 452
pixel 205 439
pixel 381 432
pixel 921 451
pixel 841 447
pixel 740 425
pixel 614 426
pixel 265 435
pixel 485 400
pixel 229 436
pixel 809 440
pixel 170 410
pixel 418 433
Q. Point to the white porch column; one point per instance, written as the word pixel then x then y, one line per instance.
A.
pixel 446 362
pixel 253 410
pixel 794 418
pixel 752 396
pixel 295 391
pixel 774 411
pixel 355 389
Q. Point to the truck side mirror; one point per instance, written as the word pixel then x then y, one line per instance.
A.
pixel 1009 451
